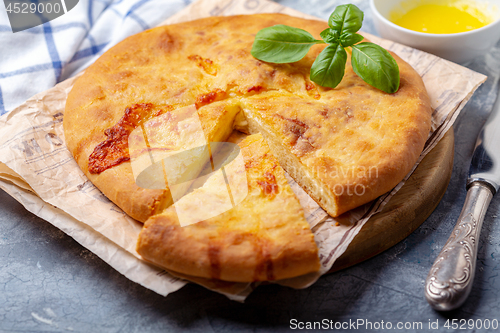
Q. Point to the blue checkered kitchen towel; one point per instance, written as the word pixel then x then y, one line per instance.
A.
pixel 34 60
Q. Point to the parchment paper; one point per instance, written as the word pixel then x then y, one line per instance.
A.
pixel 37 169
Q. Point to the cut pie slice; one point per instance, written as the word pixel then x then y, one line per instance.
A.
pixel 351 145
pixel 263 237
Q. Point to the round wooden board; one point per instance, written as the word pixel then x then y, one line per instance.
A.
pixel 407 209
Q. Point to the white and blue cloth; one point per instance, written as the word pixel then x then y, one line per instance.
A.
pixel 34 60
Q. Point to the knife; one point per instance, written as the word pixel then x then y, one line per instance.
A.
pixel 450 278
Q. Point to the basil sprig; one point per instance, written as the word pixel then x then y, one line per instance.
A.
pixel 283 44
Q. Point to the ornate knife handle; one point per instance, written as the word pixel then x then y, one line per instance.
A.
pixel 450 279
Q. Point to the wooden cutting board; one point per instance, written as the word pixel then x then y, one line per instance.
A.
pixel 407 209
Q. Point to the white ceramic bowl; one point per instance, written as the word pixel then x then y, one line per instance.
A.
pixel 459 47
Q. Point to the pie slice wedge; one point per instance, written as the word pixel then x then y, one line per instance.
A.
pixel 351 145
pixel 263 237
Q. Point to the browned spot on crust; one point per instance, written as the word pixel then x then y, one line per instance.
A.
pixel 312 90
pixel 324 113
pixel 303 146
pixel 120 75
pixel 114 150
pixel 268 185
pixel 250 164
pixel 214 95
pixel 208 65
pixel 295 127
pixel 349 114
pixel 265 263
pixel 255 89
pixel 296 130
pixel 341 107
pixel 168 43
pixel 214 257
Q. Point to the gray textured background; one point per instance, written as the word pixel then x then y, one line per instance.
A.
pixel 49 283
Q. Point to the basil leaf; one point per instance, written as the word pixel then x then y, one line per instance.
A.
pixel 375 66
pixel 330 36
pixel 349 39
pixel 346 19
pixel 282 44
pixel 328 68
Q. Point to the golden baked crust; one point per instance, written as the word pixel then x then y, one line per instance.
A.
pixel 345 146
pixel 265 237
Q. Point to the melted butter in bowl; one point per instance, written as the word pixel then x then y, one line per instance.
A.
pixel 443 17
pixel 457 30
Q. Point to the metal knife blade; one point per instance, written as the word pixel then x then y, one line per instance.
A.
pixel 450 278
pixel 485 164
